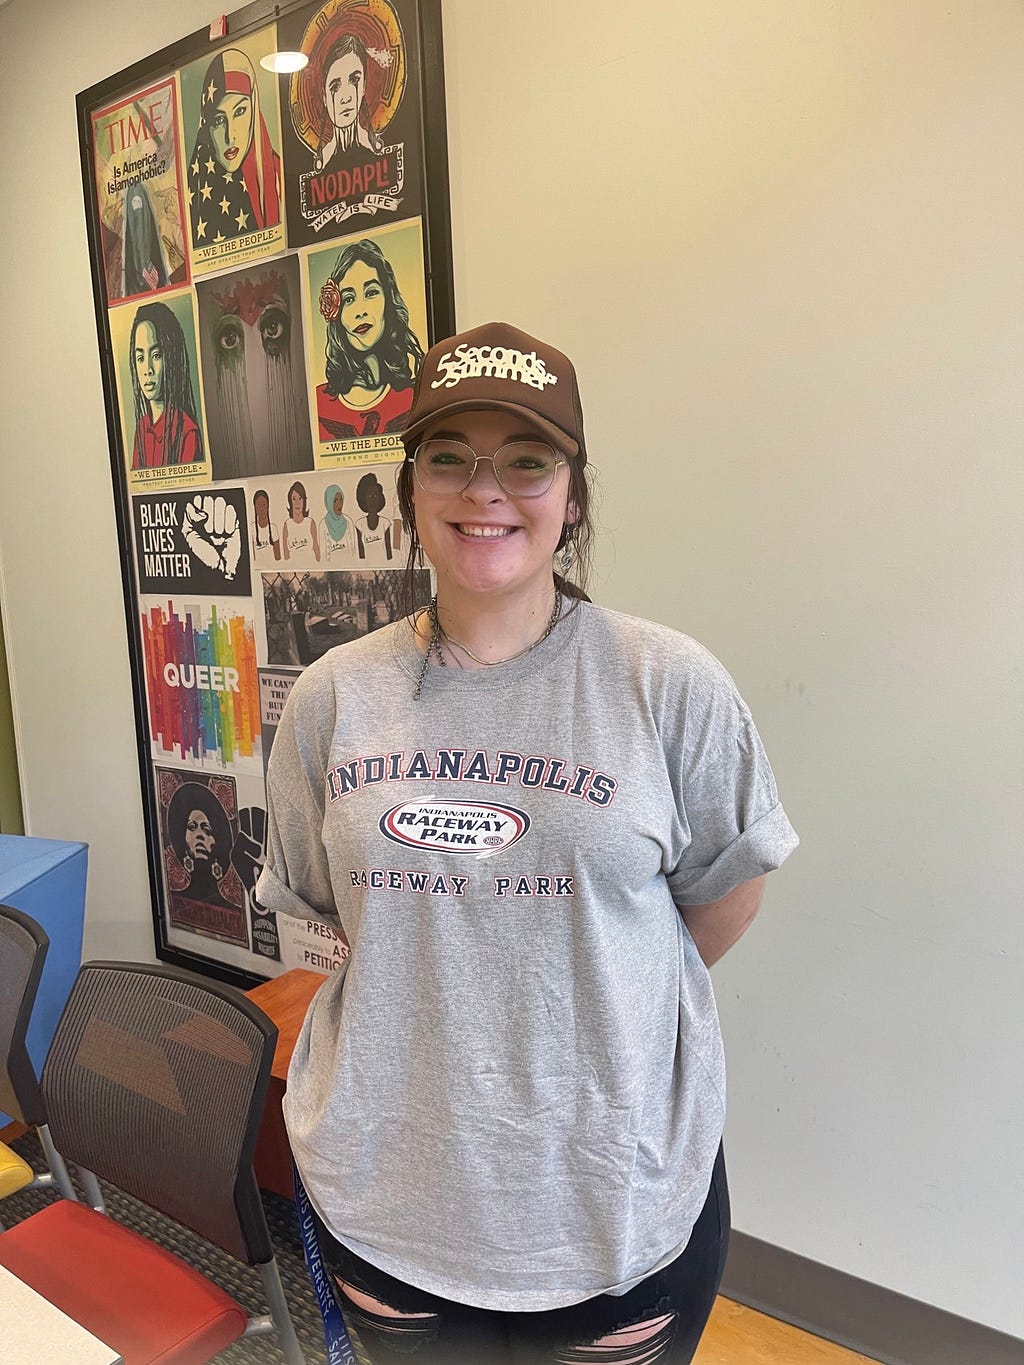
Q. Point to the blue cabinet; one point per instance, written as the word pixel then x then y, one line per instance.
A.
pixel 45 878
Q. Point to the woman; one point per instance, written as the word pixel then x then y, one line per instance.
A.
pixel 298 530
pixel 166 420
pixel 372 353
pixel 335 529
pixel 537 823
pixel 266 545
pixel 373 532
pixel 234 174
pixel 347 126
pixel 200 834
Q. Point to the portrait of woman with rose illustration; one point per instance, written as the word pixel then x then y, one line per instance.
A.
pixel 372 354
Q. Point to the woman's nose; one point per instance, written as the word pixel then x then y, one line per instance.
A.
pixel 483 482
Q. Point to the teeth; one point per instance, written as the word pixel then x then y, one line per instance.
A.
pixel 486 532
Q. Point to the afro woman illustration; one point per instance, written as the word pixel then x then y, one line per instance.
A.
pixel 166 420
pixel 372 353
pixel 234 174
pixel 200 833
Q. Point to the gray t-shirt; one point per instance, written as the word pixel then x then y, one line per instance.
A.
pixel 513 1092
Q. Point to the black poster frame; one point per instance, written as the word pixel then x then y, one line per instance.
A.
pixel 440 316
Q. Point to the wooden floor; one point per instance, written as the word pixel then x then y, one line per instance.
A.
pixel 739 1336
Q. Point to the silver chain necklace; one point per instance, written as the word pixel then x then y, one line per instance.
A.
pixel 439 634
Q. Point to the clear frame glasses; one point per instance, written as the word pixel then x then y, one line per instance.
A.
pixel 523 469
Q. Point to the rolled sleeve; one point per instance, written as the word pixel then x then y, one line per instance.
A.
pixel 761 847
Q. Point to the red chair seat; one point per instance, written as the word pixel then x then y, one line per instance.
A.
pixel 141 1300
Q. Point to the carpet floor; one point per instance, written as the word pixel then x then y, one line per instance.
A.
pixel 239 1280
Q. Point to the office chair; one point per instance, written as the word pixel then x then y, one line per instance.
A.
pixel 156 1081
pixel 23 949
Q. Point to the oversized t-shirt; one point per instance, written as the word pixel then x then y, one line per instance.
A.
pixel 513 1092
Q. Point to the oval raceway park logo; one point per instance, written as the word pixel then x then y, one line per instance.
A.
pixel 454 826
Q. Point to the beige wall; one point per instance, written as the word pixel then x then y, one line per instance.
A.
pixel 783 242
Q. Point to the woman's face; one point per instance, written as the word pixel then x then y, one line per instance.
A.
pixel 295 502
pixel 343 90
pixel 362 306
pixel 148 358
pixel 262 507
pixel 199 838
pixel 231 130
pixel 339 503
pixel 482 540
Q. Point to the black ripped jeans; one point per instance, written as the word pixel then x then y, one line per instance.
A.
pixel 659 1322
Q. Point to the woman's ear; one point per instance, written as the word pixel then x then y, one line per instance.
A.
pixel 572 513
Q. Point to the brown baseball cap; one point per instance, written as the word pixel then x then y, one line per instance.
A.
pixel 498 366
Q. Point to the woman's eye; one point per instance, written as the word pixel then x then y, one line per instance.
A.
pixel 446 457
pixel 275 330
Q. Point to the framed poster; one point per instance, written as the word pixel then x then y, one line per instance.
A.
pixel 271 258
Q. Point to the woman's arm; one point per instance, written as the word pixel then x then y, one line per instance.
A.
pixel 715 927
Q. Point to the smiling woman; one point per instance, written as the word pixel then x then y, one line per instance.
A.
pixel 507 1106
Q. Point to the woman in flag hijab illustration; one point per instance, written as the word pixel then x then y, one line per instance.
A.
pixel 234 174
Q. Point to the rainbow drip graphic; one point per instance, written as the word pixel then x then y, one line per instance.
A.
pixel 201 682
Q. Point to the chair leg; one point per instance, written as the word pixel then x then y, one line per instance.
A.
pixel 91 1186
pixel 56 1164
pixel 271 1277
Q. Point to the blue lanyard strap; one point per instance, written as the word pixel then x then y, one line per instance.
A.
pixel 339 1348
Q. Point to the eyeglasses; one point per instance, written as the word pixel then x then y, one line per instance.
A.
pixel 523 469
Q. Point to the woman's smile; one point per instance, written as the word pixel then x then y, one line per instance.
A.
pixel 484 532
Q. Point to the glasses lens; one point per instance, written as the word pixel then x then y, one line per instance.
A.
pixel 525 468
pixel 444 466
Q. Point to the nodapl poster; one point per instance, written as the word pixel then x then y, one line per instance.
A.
pixel 368 333
pixel 254 371
pixel 192 542
pixel 138 193
pixel 201 683
pixel 160 392
pixel 232 130
pixel 352 134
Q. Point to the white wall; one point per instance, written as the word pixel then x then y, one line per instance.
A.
pixel 783 241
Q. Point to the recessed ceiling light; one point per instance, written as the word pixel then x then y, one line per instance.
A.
pixel 284 61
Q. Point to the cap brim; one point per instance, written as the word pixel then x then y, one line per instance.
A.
pixel 561 440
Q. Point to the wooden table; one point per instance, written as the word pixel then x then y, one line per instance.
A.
pixel 286 999
pixel 33 1330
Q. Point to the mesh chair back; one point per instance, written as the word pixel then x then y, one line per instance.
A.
pixel 23 948
pixel 156 1081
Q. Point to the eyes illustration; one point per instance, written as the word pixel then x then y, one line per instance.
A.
pixel 275 329
pixel 230 336
pixel 274 324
